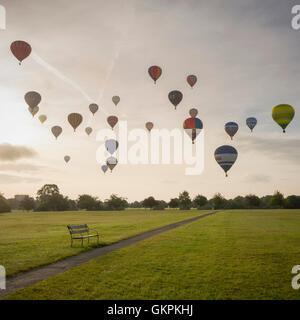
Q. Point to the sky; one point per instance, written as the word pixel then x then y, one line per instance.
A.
pixel 245 55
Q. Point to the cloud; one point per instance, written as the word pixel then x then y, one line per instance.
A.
pixel 18 167
pixel 257 178
pixel 273 147
pixel 9 152
pixel 7 179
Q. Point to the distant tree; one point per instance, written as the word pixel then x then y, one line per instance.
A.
pixel 277 200
pixel 185 202
pixel 236 203
pixel 27 203
pixel 199 201
pixel 149 202
pixel 292 202
pixel 218 202
pixel 174 203
pixel 115 203
pixel 252 201
pixel 4 206
pixel 89 203
pixel 161 205
pixel 72 205
pixel 264 201
pixel 135 204
pixel 49 199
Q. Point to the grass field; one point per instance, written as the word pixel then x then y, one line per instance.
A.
pixel 29 240
pixel 231 255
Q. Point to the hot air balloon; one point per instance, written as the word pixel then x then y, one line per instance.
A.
pixel 88 130
pixel 67 159
pixel 149 126
pixel 112 121
pixel 75 120
pixel 111 145
pixel 56 130
pixel 33 99
pixel 226 157
pixel 111 162
pixel 175 97
pixel 283 114
pixel 192 127
pixel 20 49
pixel 155 72
pixel 42 118
pixel 93 108
pixel 191 80
pixel 34 110
pixel 104 168
pixel 251 123
pixel 231 128
pixel 193 112
pixel 115 100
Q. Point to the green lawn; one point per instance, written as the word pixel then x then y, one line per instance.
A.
pixel 29 240
pixel 231 255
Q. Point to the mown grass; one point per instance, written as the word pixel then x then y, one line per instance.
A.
pixel 231 255
pixel 29 240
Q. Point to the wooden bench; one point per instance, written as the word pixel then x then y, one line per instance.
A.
pixel 81 232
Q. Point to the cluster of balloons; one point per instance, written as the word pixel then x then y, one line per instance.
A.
pixel 225 155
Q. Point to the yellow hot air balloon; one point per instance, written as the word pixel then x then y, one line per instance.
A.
pixel 283 114
pixel 42 118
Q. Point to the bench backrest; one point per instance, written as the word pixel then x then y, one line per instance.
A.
pixel 78 229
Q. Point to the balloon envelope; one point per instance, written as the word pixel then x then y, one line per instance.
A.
pixel 56 130
pixel 175 97
pixel 34 110
pixel 67 159
pixel 111 145
pixel 20 49
pixel 42 118
pixel 226 157
pixel 149 126
pixel 88 130
pixel 191 80
pixel 155 72
pixel 111 162
pixel 93 108
pixel 192 127
pixel 231 128
pixel 283 114
pixel 116 100
pixel 193 112
pixel 75 120
pixel 251 123
pixel 104 168
pixel 112 121
pixel 32 98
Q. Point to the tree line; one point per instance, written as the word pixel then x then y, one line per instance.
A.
pixel 49 198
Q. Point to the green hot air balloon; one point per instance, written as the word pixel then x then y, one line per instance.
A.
pixel 283 114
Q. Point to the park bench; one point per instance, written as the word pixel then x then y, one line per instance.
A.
pixel 81 232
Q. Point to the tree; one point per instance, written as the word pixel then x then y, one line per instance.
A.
pixel 27 203
pixel 135 204
pixel 277 200
pixel 199 201
pixel 174 203
pixel 218 202
pixel 292 202
pixel 89 203
pixel 4 206
pixel 49 199
pixel 149 202
pixel 252 201
pixel 116 203
pixel 185 202
pixel 161 205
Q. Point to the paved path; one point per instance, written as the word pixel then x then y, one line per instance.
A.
pixel 28 278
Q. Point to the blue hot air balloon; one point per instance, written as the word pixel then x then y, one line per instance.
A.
pixel 111 145
pixel 231 128
pixel 104 168
pixel 226 157
pixel 251 123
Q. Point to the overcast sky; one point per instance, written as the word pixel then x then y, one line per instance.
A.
pixel 246 57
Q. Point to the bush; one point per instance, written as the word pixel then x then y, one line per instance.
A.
pixel 4 206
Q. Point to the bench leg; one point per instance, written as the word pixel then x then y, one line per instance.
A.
pixel 82 242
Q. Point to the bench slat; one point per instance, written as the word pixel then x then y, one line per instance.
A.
pixel 79 231
pixel 82 226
